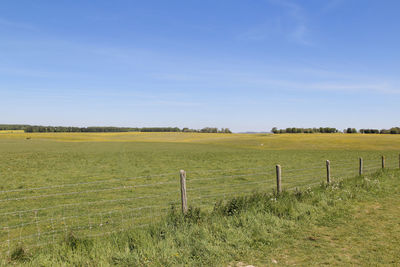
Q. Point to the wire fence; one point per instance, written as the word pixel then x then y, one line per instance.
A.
pixel 42 215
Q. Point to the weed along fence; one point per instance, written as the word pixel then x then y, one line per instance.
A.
pixel 40 215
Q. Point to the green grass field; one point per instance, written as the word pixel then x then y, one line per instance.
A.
pixel 350 222
pixel 95 183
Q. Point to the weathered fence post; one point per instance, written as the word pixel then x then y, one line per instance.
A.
pixel 383 162
pixel 328 171
pixel 360 168
pixel 278 179
pixel 183 191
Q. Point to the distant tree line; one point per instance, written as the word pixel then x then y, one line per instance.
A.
pixel 350 130
pixel 63 129
pixel 393 130
pixel 159 129
pixel 9 127
pixel 305 130
pixel 100 129
pixel 207 130
pixel 370 131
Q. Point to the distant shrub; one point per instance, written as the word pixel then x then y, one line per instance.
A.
pixel 395 130
pixel 351 130
pixel 369 131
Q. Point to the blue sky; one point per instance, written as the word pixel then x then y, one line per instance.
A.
pixel 246 65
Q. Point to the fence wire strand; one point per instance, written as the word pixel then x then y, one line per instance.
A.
pixel 36 226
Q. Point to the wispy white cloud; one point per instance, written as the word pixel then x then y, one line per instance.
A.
pixel 332 5
pixel 299 31
pixel 128 97
pixel 296 80
pixel 266 30
pixel 292 25
pixel 14 24
pixel 339 86
pixel 172 103
pixel 152 69
pixel 299 35
pixel 24 72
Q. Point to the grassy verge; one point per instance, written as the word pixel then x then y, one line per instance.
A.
pixel 354 221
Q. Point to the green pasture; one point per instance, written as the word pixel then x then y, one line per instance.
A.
pixel 94 184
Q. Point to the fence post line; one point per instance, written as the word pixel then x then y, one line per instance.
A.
pixel 383 162
pixel 183 191
pixel 360 169
pixel 278 179
pixel 328 171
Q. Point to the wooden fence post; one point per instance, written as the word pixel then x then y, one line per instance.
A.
pixel 360 168
pixel 278 179
pixel 183 191
pixel 328 171
pixel 383 162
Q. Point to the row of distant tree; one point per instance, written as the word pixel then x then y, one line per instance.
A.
pixel 207 130
pixel 305 130
pixel 393 130
pixel 10 127
pixel 97 129
pixel 63 129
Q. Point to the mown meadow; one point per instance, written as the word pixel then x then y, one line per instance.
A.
pixel 54 185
